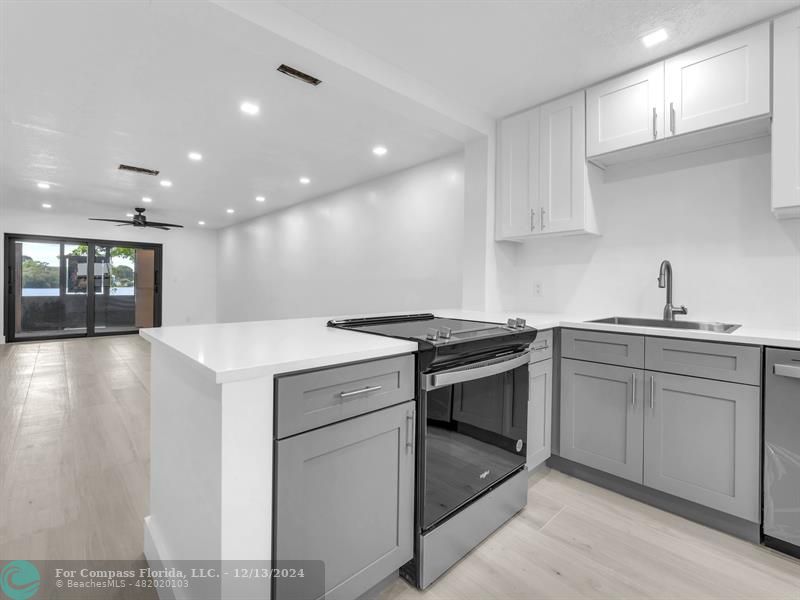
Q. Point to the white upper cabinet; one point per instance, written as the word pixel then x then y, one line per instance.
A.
pixel 721 82
pixel 518 174
pixel 718 92
pixel 542 176
pixel 564 196
pixel 625 111
pixel 786 117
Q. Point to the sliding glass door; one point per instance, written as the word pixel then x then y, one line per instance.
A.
pixel 53 289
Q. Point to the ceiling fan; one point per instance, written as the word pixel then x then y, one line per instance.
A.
pixel 139 220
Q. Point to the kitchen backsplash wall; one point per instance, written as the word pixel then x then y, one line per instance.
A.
pixel 707 212
pixel 394 243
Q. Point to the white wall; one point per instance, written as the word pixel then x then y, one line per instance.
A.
pixel 711 218
pixel 189 255
pixel 394 243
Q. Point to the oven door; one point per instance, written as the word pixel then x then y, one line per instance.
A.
pixel 475 432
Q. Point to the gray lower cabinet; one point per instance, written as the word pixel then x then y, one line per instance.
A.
pixel 540 406
pixel 601 417
pixel 702 442
pixel 345 495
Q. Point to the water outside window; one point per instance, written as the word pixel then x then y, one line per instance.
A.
pixel 53 295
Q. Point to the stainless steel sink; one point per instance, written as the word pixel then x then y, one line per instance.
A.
pixel 696 325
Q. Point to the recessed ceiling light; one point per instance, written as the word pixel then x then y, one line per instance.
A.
pixel 305 180
pixel 260 199
pixel 249 108
pixel 166 183
pixel 201 222
pixel 146 199
pixel 379 150
pixel 47 205
pixel 230 211
pixel 195 156
pixel 128 214
pixel 43 185
pixel 651 39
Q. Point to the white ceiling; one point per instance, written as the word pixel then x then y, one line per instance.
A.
pixel 85 86
pixel 503 56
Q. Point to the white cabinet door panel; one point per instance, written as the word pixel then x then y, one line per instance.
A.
pixel 518 174
pixel 563 180
pixel 786 117
pixel 626 111
pixel 721 82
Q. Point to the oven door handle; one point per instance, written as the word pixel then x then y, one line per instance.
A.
pixel 475 371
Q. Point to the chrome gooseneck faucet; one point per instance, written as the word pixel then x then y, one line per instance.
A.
pixel 665 281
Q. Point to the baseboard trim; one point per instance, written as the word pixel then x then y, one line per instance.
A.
pixel 710 517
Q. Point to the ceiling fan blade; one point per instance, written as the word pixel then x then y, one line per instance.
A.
pixel 157 224
pixel 124 224
pixel 112 221
pixel 157 227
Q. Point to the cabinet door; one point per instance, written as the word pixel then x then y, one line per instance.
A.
pixel 718 83
pixel 601 417
pixel 786 117
pixel 702 442
pixel 518 175
pixel 540 406
pixel 563 183
pixel 348 486
pixel 625 111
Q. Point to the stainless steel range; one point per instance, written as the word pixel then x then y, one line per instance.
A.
pixel 472 398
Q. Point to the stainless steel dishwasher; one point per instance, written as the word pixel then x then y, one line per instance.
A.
pixel 782 451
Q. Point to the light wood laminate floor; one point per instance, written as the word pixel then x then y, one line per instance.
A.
pixel 74 421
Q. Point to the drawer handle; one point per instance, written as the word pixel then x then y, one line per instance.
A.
pixel 365 390
pixel 787 371
pixel 633 398
pixel 544 346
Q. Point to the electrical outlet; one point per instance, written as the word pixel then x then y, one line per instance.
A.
pixel 537 288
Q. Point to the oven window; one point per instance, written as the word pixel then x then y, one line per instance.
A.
pixel 475 436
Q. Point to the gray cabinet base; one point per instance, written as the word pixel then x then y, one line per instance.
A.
pixel 740 528
pixel 452 540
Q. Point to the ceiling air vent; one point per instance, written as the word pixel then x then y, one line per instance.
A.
pixel 141 170
pixel 287 70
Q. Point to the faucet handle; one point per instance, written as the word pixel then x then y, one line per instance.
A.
pixel 682 310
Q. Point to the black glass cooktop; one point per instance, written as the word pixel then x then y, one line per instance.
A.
pixel 429 328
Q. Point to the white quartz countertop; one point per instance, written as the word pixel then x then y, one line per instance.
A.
pixel 237 351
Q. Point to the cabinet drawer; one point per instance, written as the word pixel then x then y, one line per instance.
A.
pixel 603 347
pixel 725 362
pixel 542 346
pixel 309 400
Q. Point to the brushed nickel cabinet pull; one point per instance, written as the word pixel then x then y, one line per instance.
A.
pixel 652 389
pixel 410 431
pixel 672 118
pixel 541 220
pixel 633 401
pixel 365 390
pixel 655 120
pixel 533 219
